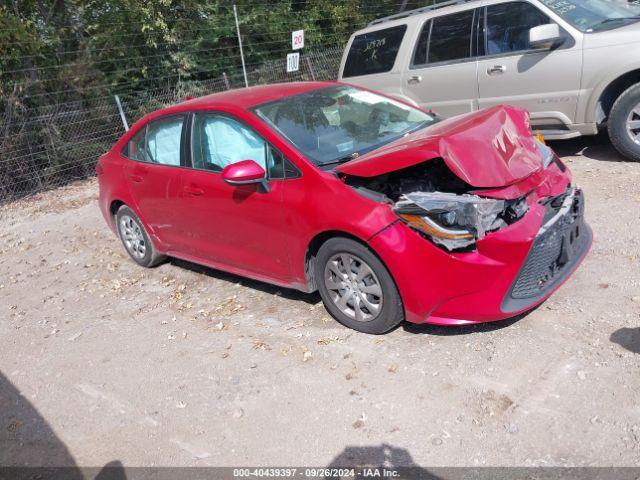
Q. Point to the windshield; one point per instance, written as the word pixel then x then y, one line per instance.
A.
pixel 595 15
pixel 338 124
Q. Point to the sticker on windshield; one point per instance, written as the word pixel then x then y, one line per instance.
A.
pixel 559 6
pixel 345 147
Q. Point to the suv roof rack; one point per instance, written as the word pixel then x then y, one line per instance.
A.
pixel 418 11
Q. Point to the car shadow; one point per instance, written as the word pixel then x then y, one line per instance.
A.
pixel 268 288
pixel 29 447
pixel 449 331
pixel 593 147
pixel 376 458
pixel 628 338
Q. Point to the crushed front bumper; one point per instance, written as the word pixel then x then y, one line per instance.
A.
pixel 512 270
pixel 560 245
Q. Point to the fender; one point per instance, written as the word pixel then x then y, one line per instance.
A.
pixel 587 110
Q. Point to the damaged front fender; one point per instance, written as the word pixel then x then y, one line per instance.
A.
pixel 486 149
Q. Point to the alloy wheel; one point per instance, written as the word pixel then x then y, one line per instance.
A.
pixel 633 124
pixel 353 286
pixel 132 236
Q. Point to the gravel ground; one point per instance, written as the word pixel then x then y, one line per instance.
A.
pixel 180 365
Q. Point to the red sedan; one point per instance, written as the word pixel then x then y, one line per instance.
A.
pixel 389 211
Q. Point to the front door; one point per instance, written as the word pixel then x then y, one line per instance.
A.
pixel 546 83
pixel 239 226
pixel 442 74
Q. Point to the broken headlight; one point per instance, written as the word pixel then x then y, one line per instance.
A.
pixel 545 152
pixel 451 220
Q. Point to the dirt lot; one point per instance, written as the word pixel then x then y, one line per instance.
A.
pixel 101 360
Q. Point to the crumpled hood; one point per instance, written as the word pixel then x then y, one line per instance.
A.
pixel 489 148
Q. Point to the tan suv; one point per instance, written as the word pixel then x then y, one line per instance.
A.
pixel 574 64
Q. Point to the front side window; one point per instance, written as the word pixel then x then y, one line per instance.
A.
pixel 338 124
pixel 219 141
pixel 508 26
pixel 595 15
pixel 450 37
pixel 374 52
pixel 163 140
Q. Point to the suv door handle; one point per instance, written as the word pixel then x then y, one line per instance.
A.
pixel 193 191
pixel 414 79
pixel 496 69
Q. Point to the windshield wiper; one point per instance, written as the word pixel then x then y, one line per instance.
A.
pixel 346 158
pixel 611 20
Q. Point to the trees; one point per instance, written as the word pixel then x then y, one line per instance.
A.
pixel 61 61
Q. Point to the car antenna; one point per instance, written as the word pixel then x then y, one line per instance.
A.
pixel 122 116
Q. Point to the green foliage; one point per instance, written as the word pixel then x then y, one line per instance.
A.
pixel 61 61
pixel 69 49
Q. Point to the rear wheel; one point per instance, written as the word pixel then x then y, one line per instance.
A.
pixel 624 123
pixel 356 287
pixel 135 239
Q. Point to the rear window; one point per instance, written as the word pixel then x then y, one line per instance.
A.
pixel 374 52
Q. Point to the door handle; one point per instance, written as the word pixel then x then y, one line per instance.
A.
pixel 496 69
pixel 193 191
pixel 414 79
pixel 136 178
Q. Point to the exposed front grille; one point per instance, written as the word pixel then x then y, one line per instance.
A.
pixel 552 256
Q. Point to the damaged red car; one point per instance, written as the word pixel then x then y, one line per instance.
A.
pixel 389 211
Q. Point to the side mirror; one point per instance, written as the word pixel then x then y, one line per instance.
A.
pixel 545 37
pixel 244 172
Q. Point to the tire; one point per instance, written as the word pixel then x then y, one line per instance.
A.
pixel 135 238
pixel 626 109
pixel 365 297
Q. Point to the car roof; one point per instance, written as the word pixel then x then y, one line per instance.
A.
pixel 251 96
pixel 418 14
pixel 230 100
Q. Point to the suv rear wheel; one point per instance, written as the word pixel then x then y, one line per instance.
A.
pixel 356 287
pixel 624 123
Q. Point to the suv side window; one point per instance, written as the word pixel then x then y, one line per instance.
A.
pixel 445 39
pixel 508 25
pixel 374 52
pixel 163 140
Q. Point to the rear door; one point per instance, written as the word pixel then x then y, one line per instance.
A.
pixel 442 72
pixel 546 83
pixel 153 175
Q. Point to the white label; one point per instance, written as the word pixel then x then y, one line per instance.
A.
pixel 293 62
pixel 297 40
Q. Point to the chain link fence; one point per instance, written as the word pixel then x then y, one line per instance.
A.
pixel 45 147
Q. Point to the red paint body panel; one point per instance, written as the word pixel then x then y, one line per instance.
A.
pixel 488 148
pixel 243 229
pixel 246 171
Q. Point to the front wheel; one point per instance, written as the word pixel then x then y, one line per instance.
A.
pixel 624 123
pixel 356 287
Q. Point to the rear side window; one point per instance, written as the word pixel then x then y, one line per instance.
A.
pixel 135 148
pixel 374 52
pixel 508 26
pixel 449 39
pixel 163 140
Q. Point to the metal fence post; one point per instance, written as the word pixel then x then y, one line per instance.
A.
pixel 122 116
pixel 313 74
pixel 225 79
pixel 244 68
